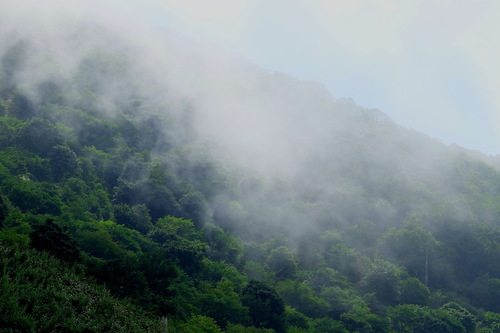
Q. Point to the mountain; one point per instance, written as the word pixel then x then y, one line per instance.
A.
pixel 198 187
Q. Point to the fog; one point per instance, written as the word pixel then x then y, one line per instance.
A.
pixel 260 118
pixel 430 66
pixel 338 161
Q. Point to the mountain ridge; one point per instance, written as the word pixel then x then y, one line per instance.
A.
pixel 205 189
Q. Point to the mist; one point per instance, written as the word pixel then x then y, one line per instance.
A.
pixel 318 161
pixel 189 181
pixel 257 117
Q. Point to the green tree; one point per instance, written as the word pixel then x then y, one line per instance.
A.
pixel 8 129
pixel 300 296
pixel 410 246
pixel 327 277
pixel 34 197
pixel 347 261
pixel 295 318
pixel 491 323
pixel 382 279
pixel 4 209
pixel 412 291
pixel 85 200
pixel 222 246
pixel 222 304
pixel 341 301
pixel 463 315
pixel 157 197
pixel 52 238
pixel 266 308
pixel 484 292
pixel 198 324
pixel 361 319
pixel 194 207
pixel 39 136
pixel 231 328
pixel 282 261
pixel 135 217
pixel 182 243
pixel 328 325
pixel 410 318
pixel 64 162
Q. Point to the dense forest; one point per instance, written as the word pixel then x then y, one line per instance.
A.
pixel 249 202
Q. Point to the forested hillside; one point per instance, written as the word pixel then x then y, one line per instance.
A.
pixel 163 185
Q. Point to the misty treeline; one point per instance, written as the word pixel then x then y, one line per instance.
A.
pixel 169 186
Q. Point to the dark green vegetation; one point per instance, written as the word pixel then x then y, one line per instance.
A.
pixel 116 214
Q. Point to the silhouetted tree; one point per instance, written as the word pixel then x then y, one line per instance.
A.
pixel 52 238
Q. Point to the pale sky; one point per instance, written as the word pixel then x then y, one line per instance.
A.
pixel 431 65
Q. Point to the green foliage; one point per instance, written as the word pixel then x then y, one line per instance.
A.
pixel 266 308
pixel 412 291
pixel 347 261
pixel 194 207
pixel 414 318
pixel 327 277
pixel 485 292
pixel 221 271
pixel 157 197
pixel 328 325
pixel 282 262
pixel 24 163
pixel 463 315
pixel 382 279
pixel 255 271
pixel 221 245
pixel 194 164
pixel 4 107
pixel 39 294
pixel 409 246
pixel 148 208
pixel 296 319
pixel 231 328
pixel 341 301
pixel 222 304
pixel 5 208
pixel 64 162
pixel 182 243
pixel 39 136
pixel 361 319
pixel 8 129
pixel 492 323
pixel 99 244
pixel 135 217
pixel 52 238
pixel 197 324
pixel 34 197
pixel 85 201
pixel 301 297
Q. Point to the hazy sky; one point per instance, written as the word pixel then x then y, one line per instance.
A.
pixel 429 64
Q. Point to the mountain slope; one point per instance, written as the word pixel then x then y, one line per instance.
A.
pixel 184 173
